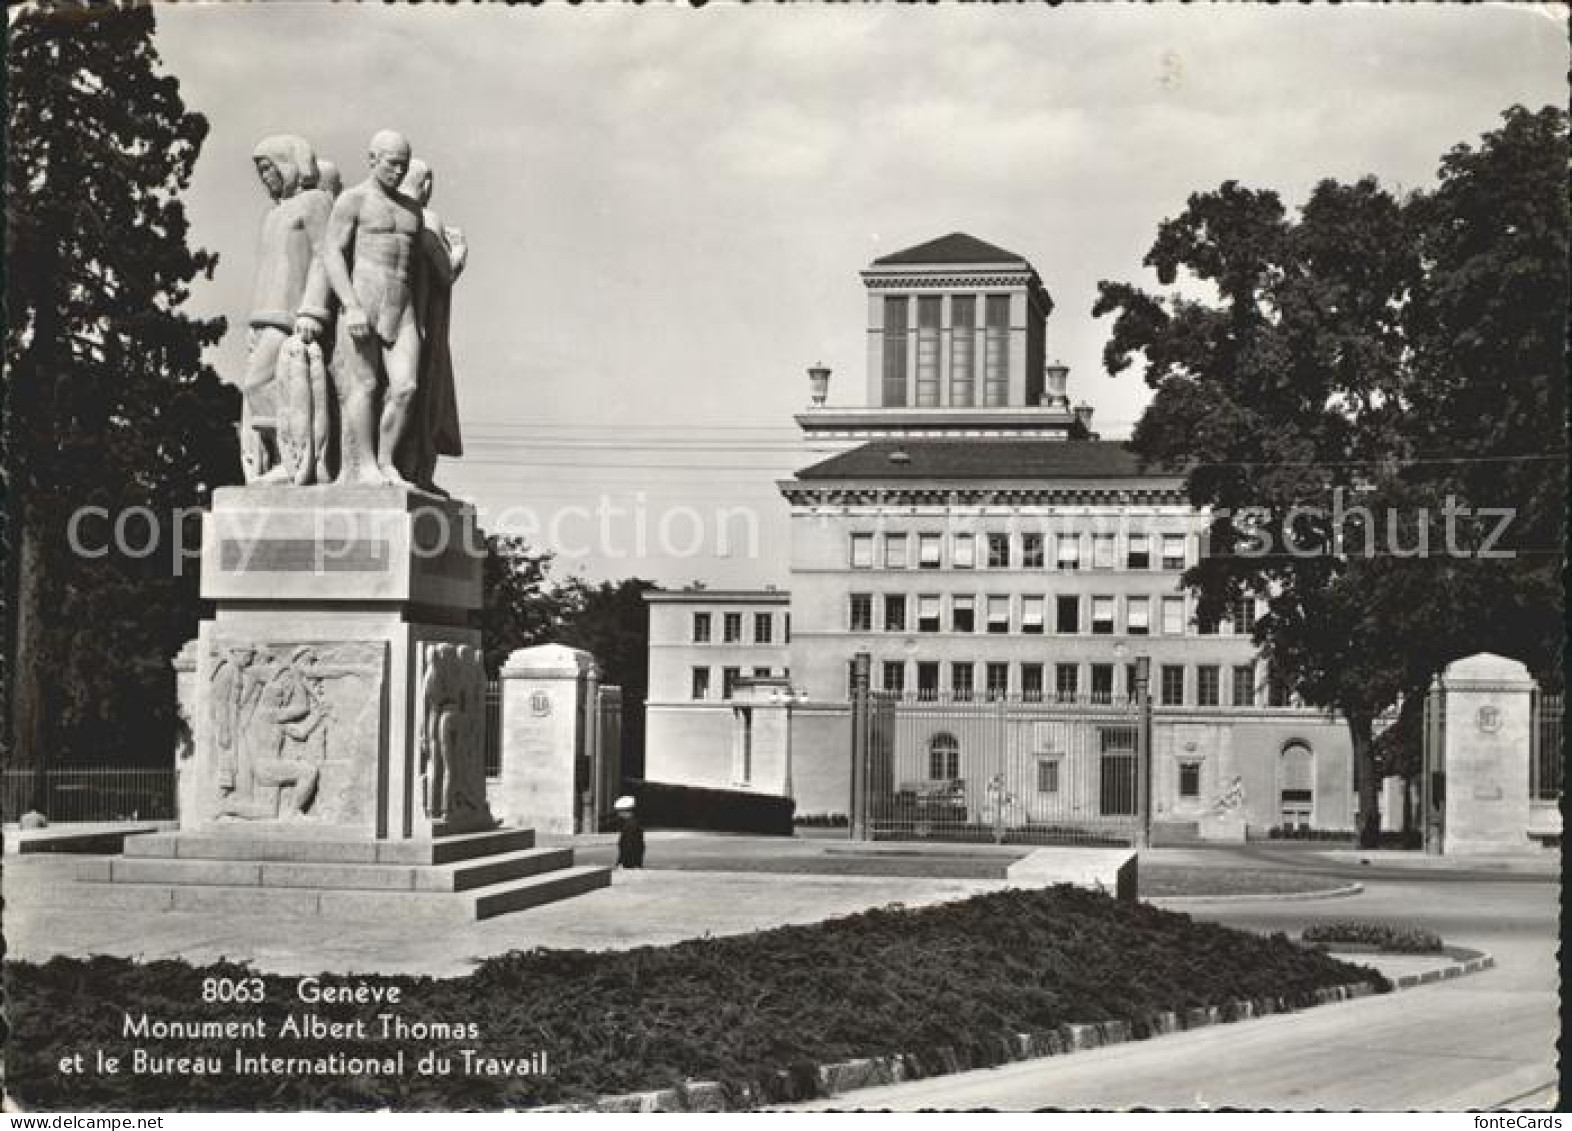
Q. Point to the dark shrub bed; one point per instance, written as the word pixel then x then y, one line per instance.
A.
pixel 942 983
pixel 1379 936
pixel 664 805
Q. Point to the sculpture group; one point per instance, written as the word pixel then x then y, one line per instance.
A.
pixel 349 323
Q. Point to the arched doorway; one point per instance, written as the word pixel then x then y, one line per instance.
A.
pixel 1296 784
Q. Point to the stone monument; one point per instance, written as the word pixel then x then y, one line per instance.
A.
pixel 336 699
pixel 1487 705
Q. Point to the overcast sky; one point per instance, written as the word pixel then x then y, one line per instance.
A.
pixel 667 208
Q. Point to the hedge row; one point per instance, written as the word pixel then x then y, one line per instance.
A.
pixel 755 1011
pixel 664 805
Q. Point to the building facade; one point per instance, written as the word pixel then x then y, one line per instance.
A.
pixel 979 542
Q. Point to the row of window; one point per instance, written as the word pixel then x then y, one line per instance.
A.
pixel 900 613
pixel 731 628
pixel 1028 680
pixel 1028 550
pixel 700 686
pixel 898 331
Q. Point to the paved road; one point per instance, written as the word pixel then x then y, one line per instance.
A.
pixel 1482 1041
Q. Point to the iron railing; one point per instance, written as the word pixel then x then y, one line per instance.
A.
pixel 89 794
pixel 1003 768
pixel 1545 765
pixel 493 728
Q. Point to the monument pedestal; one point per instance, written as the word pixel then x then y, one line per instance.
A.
pixel 336 709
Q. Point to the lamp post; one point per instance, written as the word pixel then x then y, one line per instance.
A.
pixel 818 383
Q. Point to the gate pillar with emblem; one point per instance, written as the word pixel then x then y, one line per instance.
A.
pixel 548 715
pixel 1487 700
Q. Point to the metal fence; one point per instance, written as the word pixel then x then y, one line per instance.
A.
pixel 95 794
pixel 1545 765
pixel 494 728
pixel 1006 769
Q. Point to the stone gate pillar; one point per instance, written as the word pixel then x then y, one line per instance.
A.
pixel 548 707
pixel 1487 700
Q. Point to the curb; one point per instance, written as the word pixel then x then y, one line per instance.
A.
pixel 1468 962
pixel 826 1080
pixel 1259 897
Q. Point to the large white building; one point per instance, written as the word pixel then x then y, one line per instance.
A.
pixel 980 544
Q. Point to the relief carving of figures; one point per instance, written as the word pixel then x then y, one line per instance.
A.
pixel 434 425
pixel 265 717
pixel 286 425
pixel 452 736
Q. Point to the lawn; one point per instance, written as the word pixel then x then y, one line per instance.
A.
pixel 942 984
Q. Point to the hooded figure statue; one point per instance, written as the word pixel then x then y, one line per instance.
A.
pixel 290 296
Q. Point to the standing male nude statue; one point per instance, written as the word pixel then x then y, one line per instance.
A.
pixel 370 257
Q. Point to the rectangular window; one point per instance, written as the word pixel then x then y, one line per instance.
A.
pixel 1138 552
pixel 961 680
pixel 1032 682
pixel 761 673
pixel 1066 681
pixel 763 628
pixel 1277 693
pixel 963 613
pixel 1102 683
pixel 944 759
pixel 1206 626
pixel 895 326
pixel 895 551
pixel 1244 685
pixel 928 551
pixel 998 551
pixel 862 551
pixel 998 680
pixel 729 677
pixel 1048 775
pixel 928 614
pixel 1132 683
pixel 895 612
pixel 1031 551
pixel 1032 616
pixel 1102 551
pixel 963 350
pixel 785 628
pixel 731 628
pixel 996 352
pixel 1173 551
pixel 861 613
pixel 1242 615
pixel 998 615
pixel 928 351
pixel 964 551
pixel 701 683
pixel 1069 551
pixel 927 679
pixel 1189 779
pixel 1173 616
pixel 1102 616
pixel 895 676
pixel 1137 616
pixel 1173 685
pixel 701 628
pixel 1208 686
pixel 851 679
pixel 1068 610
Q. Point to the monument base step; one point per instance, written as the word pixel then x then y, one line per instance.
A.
pixel 311 871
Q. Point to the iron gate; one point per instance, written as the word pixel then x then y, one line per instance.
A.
pixel 1002 769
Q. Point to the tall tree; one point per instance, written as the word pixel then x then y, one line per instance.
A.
pixel 1330 379
pixel 109 404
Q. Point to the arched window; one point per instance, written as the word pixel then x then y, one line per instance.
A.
pixel 1296 783
pixel 944 757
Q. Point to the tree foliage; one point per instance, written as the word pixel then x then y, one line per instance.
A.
pixel 1334 380
pixel 108 401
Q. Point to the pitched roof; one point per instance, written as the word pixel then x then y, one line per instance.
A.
pixel 957 247
pixel 972 459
